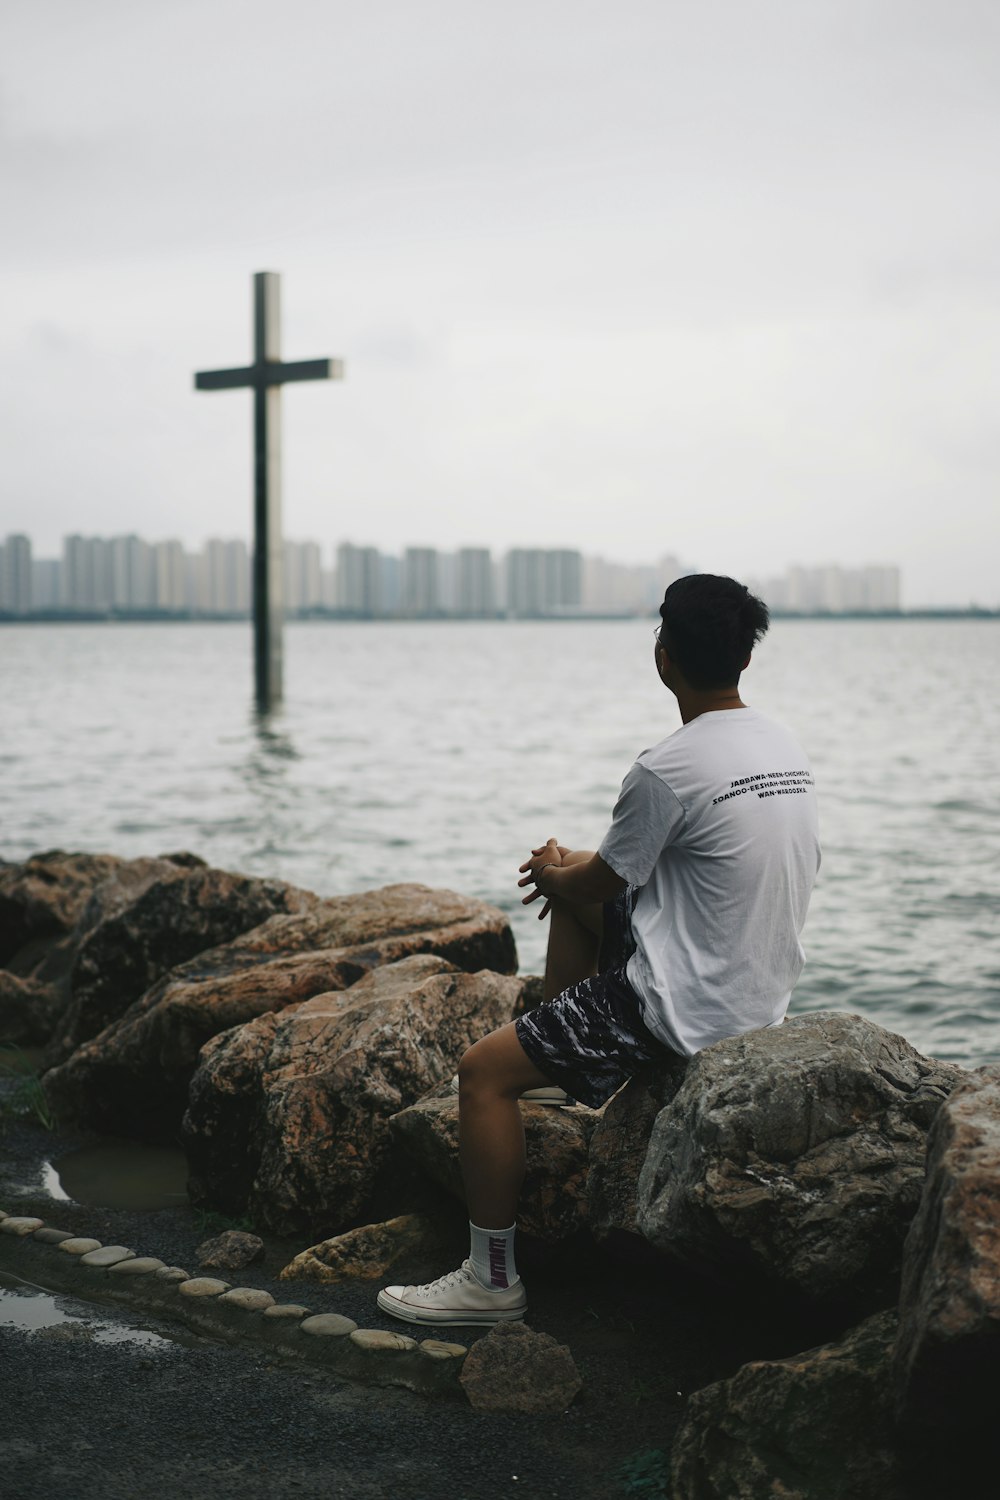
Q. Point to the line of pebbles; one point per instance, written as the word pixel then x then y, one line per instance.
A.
pixel 239 1314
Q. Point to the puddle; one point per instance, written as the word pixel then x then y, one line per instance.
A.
pixel 18 1060
pixel 25 1306
pixel 119 1174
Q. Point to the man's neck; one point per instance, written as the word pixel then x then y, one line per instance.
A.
pixel 693 704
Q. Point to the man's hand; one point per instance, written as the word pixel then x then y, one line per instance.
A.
pixel 549 855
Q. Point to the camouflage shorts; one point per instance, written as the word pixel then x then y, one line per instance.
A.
pixel 592 1038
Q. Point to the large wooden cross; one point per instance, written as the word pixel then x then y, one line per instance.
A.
pixel 265 377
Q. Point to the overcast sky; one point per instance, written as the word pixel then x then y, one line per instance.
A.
pixel 717 278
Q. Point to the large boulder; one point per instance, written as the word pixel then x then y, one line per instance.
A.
pixel 29 1009
pixel 93 931
pixel 175 913
pixel 618 1149
pixel 795 1156
pixel 41 899
pixel 553 1203
pixel 41 902
pixel 289 1114
pixel 816 1426
pixel 949 1338
pixel 133 1077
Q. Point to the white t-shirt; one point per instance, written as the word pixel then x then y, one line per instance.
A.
pixel 717 824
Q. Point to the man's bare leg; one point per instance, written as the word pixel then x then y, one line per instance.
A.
pixel 491 1077
pixel 574 938
pixel 486 1287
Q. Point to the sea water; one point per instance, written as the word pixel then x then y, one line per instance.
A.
pixel 441 752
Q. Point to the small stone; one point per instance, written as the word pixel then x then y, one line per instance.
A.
pixel 286 1310
pixel 139 1265
pixel 379 1338
pixel 203 1286
pixel 21 1227
pixel 435 1349
pixel 230 1251
pixel 79 1246
pixel 107 1255
pixel 2 1216
pixel 328 1325
pixel 248 1297
pixel 172 1273
pixel 515 1369
pixel 368 1252
pixel 52 1236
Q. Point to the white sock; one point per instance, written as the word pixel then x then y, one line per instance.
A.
pixel 492 1256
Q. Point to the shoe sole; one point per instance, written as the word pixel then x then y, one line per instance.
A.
pixel 556 1098
pixel 446 1317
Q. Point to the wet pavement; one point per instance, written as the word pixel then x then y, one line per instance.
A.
pixel 96 1401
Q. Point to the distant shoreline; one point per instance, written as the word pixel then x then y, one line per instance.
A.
pixel 346 617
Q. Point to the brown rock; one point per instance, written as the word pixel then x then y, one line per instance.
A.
pixel 29 1009
pixel 367 1252
pixel 133 1077
pixel 553 1204
pixel 230 1251
pixel 48 906
pixel 289 1113
pixel 949 1338
pixel 817 1426
pixel 795 1155
pixel 44 897
pixel 618 1149
pixel 41 903
pixel 156 922
pixel 515 1369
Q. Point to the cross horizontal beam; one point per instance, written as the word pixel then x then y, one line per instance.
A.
pixel 271 372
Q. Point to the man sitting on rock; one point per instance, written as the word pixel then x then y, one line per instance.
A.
pixel 701 884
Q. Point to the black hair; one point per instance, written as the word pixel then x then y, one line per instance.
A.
pixel 710 626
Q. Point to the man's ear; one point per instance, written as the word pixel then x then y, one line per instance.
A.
pixel 746 663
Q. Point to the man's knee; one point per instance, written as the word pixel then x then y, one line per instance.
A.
pixel 485 1069
pixel 477 1069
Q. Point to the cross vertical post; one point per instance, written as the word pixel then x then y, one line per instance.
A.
pixel 268 549
pixel 265 377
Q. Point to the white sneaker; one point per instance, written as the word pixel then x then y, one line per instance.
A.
pixel 454 1299
pixel 547 1094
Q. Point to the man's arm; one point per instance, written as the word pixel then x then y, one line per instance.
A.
pixel 583 883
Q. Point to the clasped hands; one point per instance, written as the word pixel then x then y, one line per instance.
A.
pixel 550 855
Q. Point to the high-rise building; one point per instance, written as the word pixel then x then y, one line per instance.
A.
pixel 131 572
pixel 359 580
pixel 832 590
pixel 525 577
pixel 171 586
pixel 421 583
pixel 615 588
pixel 881 587
pixel 563 581
pixel 474 594
pixel 543 582
pixel 87 580
pixel 15 575
pixel 45 583
pixel 303 575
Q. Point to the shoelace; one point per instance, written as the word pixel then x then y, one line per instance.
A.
pixel 444 1283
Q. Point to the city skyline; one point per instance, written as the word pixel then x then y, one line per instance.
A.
pixel 127 574
pixel 747 301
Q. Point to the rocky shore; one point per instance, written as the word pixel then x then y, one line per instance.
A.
pixel 811 1214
